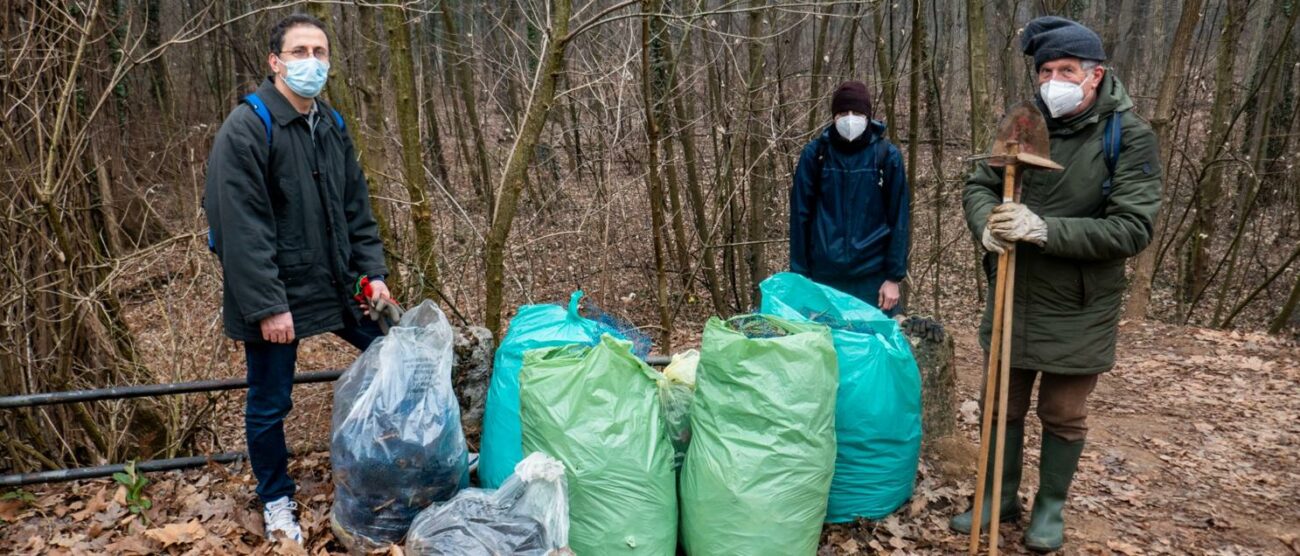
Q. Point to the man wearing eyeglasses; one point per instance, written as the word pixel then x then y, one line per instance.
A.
pixel 290 220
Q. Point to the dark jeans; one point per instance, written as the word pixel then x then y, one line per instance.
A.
pixel 270 385
pixel 867 289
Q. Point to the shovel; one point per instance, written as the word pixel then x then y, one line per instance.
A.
pixel 1021 143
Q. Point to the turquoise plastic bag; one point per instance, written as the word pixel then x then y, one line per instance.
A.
pixel 536 326
pixel 878 407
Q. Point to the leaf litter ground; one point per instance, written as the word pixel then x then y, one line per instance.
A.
pixel 1193 448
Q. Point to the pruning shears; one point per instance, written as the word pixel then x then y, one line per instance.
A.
pixel 384 311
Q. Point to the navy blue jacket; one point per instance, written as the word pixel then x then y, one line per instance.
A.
pixel 848 214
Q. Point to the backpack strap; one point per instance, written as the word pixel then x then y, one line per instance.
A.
pixel 1110 147
pixel 338 119
pixel 260 109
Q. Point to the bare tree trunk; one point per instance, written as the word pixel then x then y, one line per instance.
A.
pixel 1284 315
pixel 425 282
pixel 465 83
pixel 1210 187
pixel 699 203
pixel 816 77
pixel 650 97
pixel 1175 69
pixel 885 65
pixel 977 64
pixel 756 181
pixel 540 100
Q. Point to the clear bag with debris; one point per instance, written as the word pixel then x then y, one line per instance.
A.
pixel 527 516
pixel 396 443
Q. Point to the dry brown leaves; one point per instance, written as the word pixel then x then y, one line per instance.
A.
pixel 1192 449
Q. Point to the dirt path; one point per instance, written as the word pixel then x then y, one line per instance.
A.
pixel 1194 449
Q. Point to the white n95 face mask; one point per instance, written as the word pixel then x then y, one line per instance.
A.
pixel 1062 97
pixel 851 126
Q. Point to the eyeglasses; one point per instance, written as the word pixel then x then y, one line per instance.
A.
pixel 302 52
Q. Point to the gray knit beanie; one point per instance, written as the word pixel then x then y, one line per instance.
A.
pixel 1049 37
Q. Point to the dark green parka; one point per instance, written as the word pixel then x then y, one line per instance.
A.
pixel 291 220
pixel 1068 293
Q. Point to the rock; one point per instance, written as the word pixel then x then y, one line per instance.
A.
pixel 474 348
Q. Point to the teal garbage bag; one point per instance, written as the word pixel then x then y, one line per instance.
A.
pixel 878 407
pixel 534 327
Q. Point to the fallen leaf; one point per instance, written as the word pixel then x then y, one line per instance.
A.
pixel 850 546
pixel 1124 548
pixel 9 509
pixel 177 533
pixel 130 546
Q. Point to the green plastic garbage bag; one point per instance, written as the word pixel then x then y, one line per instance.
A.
pixel 596 409
pixel 676 392
pixel 535 326
pixel 878 408
pixel 762 448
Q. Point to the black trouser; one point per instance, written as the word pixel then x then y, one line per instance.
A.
pixel 270 385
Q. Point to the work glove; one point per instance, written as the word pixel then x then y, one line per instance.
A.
pixel 385 312
pixel 1014 222
pixel 924 328
pixel 993 243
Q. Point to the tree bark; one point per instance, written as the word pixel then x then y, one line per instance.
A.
pixel 1139 300
pixel 653 184
pixel 1209 191
pixel 756 181
pixel 465 84
pixel 512 178
pixel 977 65
pixel 424 284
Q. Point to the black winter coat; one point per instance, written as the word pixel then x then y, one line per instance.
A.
pixel 290 220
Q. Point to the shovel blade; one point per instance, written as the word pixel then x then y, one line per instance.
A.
pixel 1022 139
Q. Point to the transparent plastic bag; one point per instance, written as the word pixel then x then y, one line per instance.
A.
pixel 396 442
pixel 527 516
pixel 676 392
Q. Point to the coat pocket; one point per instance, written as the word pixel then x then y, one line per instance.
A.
pixel 1102 281
pixel 294 263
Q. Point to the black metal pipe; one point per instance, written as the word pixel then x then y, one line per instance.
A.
pixel 59 475
pixel 150 390
pixel 147 390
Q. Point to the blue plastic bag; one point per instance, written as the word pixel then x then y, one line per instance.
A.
pixel 536 326
pixel 878 405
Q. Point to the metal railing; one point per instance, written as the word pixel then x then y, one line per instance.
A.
pixel 149 391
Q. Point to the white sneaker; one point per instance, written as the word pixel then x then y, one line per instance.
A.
pixel 278 517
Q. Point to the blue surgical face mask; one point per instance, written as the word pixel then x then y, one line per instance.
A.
pixel 305 77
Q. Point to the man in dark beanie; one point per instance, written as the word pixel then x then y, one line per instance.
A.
pixel 848 205
pixel 1072 232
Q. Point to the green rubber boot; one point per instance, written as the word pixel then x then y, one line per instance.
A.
pixel 1010 510
pixel 1046 531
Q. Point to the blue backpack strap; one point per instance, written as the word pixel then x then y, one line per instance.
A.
pixel 1110 147
pixel 338 120
pixel 259 108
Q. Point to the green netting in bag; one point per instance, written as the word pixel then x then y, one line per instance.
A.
pixel 762 448
pixel 878 408
pixel 596 409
